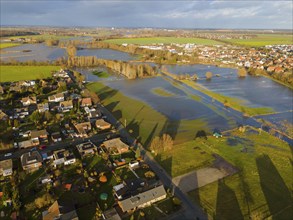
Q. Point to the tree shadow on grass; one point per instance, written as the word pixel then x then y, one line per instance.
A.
pixel 227 204
pixel 150 137
pixel 107 94
pixel 111 106
pixel 277 194
pixel 170 127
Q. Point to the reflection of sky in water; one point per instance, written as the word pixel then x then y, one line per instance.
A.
pixel 256 91
pixel 107 54
pixel 39 52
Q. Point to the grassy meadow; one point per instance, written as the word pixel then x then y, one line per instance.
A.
pixel 162 92
pixel 263 39
pixel 6 45
pixel 164 40
pixel 263 185
pixel 16 73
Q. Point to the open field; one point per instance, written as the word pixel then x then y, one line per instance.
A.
pixel 16 73
pixel 163 40
pixel 6 45
pixel 184 158
pixel 143 121
pixel 263 39
pixel 261 188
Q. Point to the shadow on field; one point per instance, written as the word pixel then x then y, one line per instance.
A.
pixel 277 194
pixel 112 105
pixel 170 127
pixel 165 163
pixel 227 204
pixel 107 94
pixel 150 137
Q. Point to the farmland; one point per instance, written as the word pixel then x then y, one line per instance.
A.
pixel 261 187
pixel 16 73
pixel 163 40
pixel 263 39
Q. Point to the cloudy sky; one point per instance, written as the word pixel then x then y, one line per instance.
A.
pixel 271 14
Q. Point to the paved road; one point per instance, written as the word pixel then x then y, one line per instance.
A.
pixel 191 211
pixel 62 145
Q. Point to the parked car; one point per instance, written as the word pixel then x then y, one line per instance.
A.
pixel 7 155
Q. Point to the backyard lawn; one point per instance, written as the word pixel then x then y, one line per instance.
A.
pixel 261 188
pixel 16 73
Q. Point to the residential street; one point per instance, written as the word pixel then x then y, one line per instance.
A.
pixel 191 211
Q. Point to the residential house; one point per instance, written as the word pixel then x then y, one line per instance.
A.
pixel 66 106
pixel 48 155
pixel 83 128
pixel 56 98
pixel 143 199
pixel 56 137
pixel 93 113
pixel 3 116
pixel 115 146
pixel 63 156
pixel 102 124
pixel 6 167
pixel 87 148
pixel 38 136
pixel 85 102
pixel 15 88
pixel 60 210
pixel 28 144
pixel 42 107
pixel 28 100
pixel 111 214
pixel 31 161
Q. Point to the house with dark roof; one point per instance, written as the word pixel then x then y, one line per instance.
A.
pixel 60 210
pixel 143 199
pixel 87 148
pixel 31 161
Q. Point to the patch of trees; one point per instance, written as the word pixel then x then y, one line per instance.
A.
pixel 285 77
pixel 11 33
pixel 242 73
pixel 130 70
pixel 52 42
pixel 209 75
pixel 71 50
pixel 161 144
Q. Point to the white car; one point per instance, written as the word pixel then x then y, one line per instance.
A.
pixel 7 155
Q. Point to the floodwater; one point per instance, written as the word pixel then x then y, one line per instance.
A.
pixel 37 52
pixel 107 54
pixel 41 52
pixel 252 90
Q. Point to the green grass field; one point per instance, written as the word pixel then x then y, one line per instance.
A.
pixel 263 39
pixel 143 121
pixel 184 158
pixel 6 45
pixel 16 73
pixel 101 74
pixel 261 188
pixel 164 40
